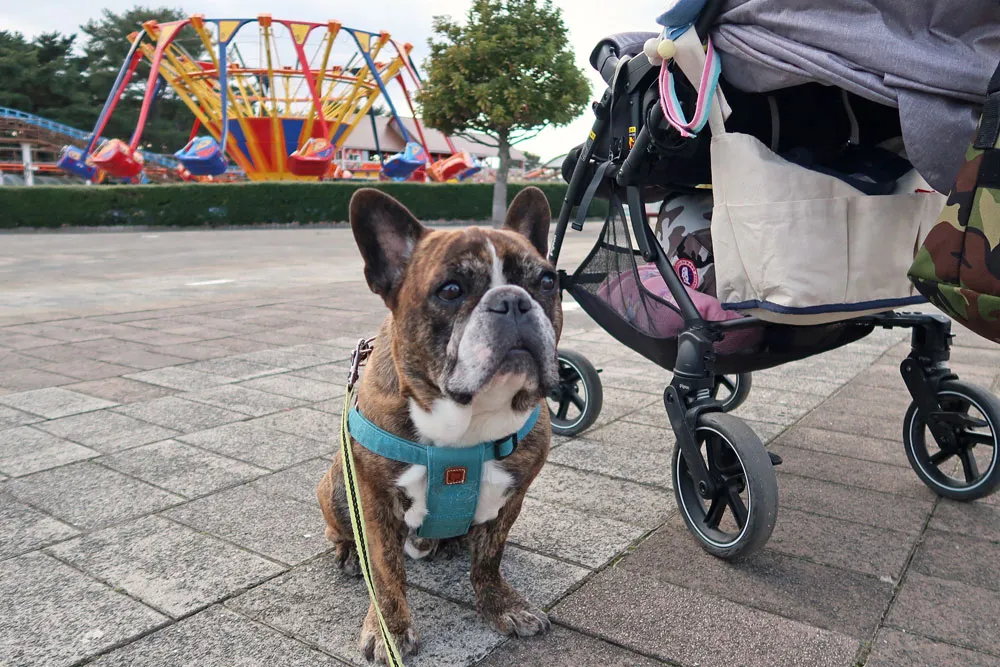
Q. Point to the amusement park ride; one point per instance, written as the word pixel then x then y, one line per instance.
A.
pixel 276 100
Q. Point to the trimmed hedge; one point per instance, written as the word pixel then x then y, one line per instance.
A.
pixel 198 204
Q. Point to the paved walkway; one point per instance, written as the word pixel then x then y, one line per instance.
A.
pixel 168 403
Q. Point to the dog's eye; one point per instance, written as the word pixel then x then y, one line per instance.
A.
pixel 450 291
pixel 548 282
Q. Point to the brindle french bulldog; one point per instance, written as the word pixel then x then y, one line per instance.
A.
pixel 465 355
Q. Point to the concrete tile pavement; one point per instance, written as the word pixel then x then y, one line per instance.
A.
pixel 160 445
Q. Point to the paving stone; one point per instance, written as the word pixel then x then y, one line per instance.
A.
pixel 248 401
pixel 776 406
pixel 540 579
pixel 152 337
pixel 12 361
pixel 298 482
pixel 54 615
pixel 61 331
pixel 54 402
pixel 195 351
pixel 284 358
pixel 106 431
pixel 672 623
pixel 289 385
pixel 181 468
pixel 182 379
pixel 23 528
pixel 275 526
pixel 852 472
pixel 17 341
pixel 845 602
pixel 170 567
pixel 323 607
pixel 976 519
pixel 861 418
pixel 239 345
pixel 959 558
pixel 778 378
pixel 9 418
pixel 306 423
pixel 180 415
pixel 875 551
pixel 619 403
pixel 619 459
pixel 217 637
pixel 845 444
pixel 254 443
pixel 27 379
pixel 24 450
pixel 235 368
pixel 648 379
pixel 288 336
pixel 86 369
pixel 88 495
pixel 571 534
pixel 639 435
pixel 333 373
pixel 971 619
pixel 609 498
pixel 893 648
pixel 564 648
pixel 879 510
pixel 142 359
pixel 120 390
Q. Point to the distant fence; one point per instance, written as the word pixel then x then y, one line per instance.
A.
pixel 196 204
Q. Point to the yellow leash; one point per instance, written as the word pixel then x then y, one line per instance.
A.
pixel 358 358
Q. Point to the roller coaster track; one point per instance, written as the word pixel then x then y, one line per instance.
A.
pixel 74 135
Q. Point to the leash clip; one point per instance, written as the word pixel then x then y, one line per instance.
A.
pixel 359 356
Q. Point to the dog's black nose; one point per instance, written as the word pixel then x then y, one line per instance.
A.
pixel 514 305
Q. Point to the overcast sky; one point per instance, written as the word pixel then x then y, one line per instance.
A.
pixel 407 20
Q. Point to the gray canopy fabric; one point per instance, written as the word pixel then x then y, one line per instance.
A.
pixel 930 58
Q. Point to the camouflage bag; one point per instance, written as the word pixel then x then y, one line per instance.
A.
pixel 958 266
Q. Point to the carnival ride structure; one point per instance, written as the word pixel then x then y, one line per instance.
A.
pixel 275 99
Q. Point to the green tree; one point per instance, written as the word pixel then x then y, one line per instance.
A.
pixel 507 72
pixel 42 77
pixel 105 49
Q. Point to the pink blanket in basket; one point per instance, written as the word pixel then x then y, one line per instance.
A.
pixel 622 293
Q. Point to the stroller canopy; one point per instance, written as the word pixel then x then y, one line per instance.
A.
pixel 930 58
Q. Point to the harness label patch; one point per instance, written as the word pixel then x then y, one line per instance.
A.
pixel 687 272
pixel 454 476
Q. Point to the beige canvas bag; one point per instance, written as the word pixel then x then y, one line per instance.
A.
pixel 799 247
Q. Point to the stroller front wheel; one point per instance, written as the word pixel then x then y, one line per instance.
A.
pixel 968 467
pixel 732 390
pixel 739 517
pixel 575 403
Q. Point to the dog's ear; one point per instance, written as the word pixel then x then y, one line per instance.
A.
pixel 529 215
pixel 386 233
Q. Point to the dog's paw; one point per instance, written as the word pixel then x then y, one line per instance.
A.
pixel 373 647
pixel 346 558
pixel 523 621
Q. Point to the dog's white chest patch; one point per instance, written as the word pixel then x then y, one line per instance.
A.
pixel 447 424
pixel 492 493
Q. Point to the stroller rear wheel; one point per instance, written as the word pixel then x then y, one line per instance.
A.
pixel 738 517
pixel 732 390
pixel 967 468
pixel 575 403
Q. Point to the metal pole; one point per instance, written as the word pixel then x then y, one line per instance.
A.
pixel 29 169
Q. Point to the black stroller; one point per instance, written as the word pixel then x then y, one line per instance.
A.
pixel 723 477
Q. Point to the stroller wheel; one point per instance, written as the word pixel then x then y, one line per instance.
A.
pixel 968 467
pixel 732 390
pixel 738 518
pixel 575 404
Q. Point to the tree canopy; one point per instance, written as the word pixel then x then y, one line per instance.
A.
pixel 507 72
pixel 67 79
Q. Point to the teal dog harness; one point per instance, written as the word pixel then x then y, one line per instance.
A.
pixel 453 473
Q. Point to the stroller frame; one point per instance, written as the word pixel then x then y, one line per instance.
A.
pixel 689 399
